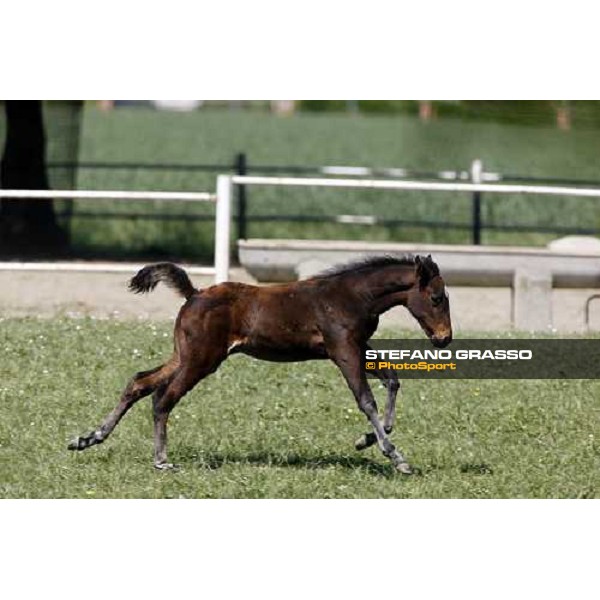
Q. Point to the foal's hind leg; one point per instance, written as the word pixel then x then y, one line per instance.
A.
pixel 164 400
pixel 142 384
pixel 392 385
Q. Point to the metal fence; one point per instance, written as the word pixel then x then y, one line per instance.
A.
pixel 241 166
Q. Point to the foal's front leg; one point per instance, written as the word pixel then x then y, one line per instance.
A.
pixel 390 380
pixel 348 359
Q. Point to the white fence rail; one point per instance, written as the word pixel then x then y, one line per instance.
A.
pixel 87 267
pixel 222 224
pixel 106 195
pixel 415 185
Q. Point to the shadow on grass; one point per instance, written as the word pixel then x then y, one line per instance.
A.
pixel 476 469
pixel 465 468
pixel 215 460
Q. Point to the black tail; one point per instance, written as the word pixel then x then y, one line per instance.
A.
pixel 175 277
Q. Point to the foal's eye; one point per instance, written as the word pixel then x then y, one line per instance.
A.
pixel 436 299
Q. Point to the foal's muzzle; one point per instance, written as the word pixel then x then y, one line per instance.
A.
pixel 441 341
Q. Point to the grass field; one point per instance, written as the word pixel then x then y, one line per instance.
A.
pixel 256 429
pixel 215 136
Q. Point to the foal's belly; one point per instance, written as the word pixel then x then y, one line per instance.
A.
pixel 273 353
pixel 277 356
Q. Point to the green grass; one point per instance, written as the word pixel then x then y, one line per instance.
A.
pixel 256 429
pixel 214 136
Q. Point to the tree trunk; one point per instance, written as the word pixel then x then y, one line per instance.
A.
pixel 27 226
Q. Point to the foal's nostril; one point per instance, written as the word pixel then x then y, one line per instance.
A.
pixel 441 342
pixel 447 340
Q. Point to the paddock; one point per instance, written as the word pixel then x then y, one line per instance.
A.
pixel 507 439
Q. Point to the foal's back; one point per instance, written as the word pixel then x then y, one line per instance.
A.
pixel 278 322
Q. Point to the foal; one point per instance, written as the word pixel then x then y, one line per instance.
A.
pixel 331 315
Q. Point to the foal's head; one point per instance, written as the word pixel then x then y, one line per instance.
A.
pixel 428 302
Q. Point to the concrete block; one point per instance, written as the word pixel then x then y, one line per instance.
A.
pixel 308 268
pixel 532 300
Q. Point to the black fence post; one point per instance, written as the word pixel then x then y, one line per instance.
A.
pixel 476 176
pixel 241 169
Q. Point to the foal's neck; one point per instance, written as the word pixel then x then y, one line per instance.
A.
pixel 387 287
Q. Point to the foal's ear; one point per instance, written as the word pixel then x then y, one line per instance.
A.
pixel 423 271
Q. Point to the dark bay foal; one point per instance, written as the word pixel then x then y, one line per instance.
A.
pixel 329 316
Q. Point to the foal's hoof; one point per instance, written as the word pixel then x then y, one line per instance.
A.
pixel 74 444
pixel 365 441
pixel 404 468
pixel 83 442
pixel 166 466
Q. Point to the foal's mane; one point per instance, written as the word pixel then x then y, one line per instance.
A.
pixel 367 264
